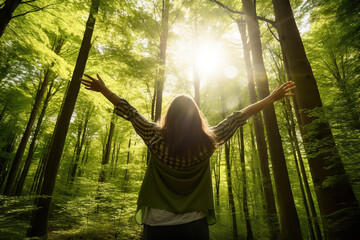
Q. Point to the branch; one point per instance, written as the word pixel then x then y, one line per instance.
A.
pixel 26 2
pixel 274 35
pixel 33 10
pixel 177 14
pixel 243 13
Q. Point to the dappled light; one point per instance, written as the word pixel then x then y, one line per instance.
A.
pixel 141 119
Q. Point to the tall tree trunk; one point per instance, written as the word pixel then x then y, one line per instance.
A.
pixel 337 202
pixel 40 171
pixel 6 13
pixel 271 214
pixel 293 150
pixel 31 151
pixel 117 156
pixel 48 77
pixel 2 114
pixel 249 233
pixel 80 145
pixel 84 158
pixel 162 57
pixel 106 157
pixel 289 221
pixel 215 166
pixel 196 75
pixel 21 149
pixel 230 190
pixel 229 179
pixel 314 217
pixel 36 178
pixel 38 225
pixel 7 149
pixel 126 176
pixel 217 180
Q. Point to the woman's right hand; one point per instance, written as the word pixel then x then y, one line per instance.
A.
pixel 93 84
pixel 282 91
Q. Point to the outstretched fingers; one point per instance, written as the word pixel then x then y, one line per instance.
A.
pixel 90 77
pixel 100 79
pixel 85 82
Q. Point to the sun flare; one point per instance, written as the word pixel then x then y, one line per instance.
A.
pixel 208 58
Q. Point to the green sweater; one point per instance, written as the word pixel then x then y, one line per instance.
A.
pixel 177 191
pixel 172 184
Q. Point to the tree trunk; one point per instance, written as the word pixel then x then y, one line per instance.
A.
pixel 40 171
pixel 7 149
pixel 21 149
pixel 230 190
pixel 337 202
pixel 80 145
pixel 31 151
pixel 229 179
pixel 195 65
pixel 106 157
pixel 314 217
pixel 6 13
pixel 215 166
pixel 162 57
pixel 117 156
pixel 289 221
pixel 2 114
pixel 293 150
pixel 48 77
pixel 249 233
pixel 271 214
pixel 38 225
pixel 126 177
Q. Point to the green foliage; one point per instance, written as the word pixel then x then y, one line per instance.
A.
pixel 125 54
pixel 13 212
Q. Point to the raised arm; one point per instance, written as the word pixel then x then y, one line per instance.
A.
pixel 226 128
pixel 146 129
pixel 277 94
pixel 98 85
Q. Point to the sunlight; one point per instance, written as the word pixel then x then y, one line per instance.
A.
pixel 230 71
pixel 209 58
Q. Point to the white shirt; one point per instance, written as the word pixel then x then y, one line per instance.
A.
pixel 158 217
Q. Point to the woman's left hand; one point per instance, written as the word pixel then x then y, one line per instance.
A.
pixel 282 91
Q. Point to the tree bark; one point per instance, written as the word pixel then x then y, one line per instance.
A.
pixel 162 57
pixel 48 77
pixel 337 202
pixel 25 170
pixel 195 64
pixel 289 221
pixel 271 213
pixel 79 147
pixel 229 179
pixel 21 149
pixel 293 150
pixel 249 233
pixel 6 13
pixel 230 190
pixel 106 157
pixel 314 217
pixel 126 176
pixel 38 227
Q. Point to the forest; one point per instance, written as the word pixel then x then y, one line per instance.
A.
pixel 71 169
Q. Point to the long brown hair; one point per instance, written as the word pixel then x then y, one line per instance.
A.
pixel 184 129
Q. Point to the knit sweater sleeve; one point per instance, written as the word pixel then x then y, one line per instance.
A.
pixel 145 128
pixel 226 128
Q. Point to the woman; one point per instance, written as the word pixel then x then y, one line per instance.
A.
pixel 176 198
